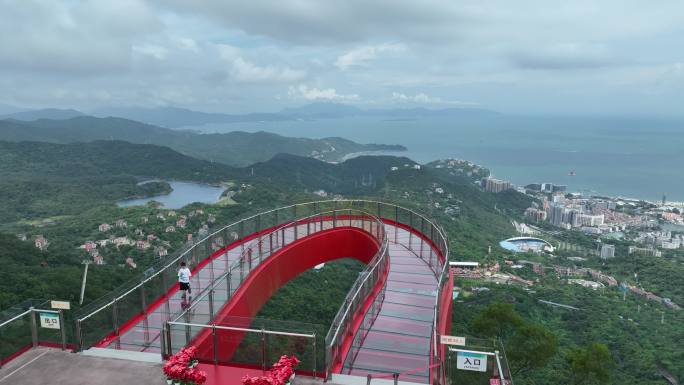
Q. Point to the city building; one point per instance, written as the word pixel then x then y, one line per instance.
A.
pixel 104 227
pixel 607 251
pixel 495 185
pixel 536 215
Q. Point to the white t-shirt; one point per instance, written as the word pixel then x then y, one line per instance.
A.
pixel 184 275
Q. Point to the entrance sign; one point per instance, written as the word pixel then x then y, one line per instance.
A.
pixel 452 340
pixel 49 320
pixel 471 361
pixel 64 305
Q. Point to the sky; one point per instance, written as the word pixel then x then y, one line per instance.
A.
pixel 608 57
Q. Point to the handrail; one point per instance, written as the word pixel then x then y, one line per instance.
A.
pixel 16 317
pixel 207 290
pixel 220 327
pixel 382 255
pixel 173 262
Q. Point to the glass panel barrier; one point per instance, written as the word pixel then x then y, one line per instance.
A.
pixel 227 270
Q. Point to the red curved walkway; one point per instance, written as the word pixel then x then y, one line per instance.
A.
pixel 395 337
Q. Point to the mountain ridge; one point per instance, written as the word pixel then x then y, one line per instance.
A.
pixel 235 148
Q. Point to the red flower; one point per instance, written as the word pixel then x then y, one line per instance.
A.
pixel 180 367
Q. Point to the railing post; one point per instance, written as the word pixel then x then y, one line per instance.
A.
pixel 211 304
pixel 169 344
pixel 62 326
pixel 34 328
pixel 242 268
pixel 270 242
pixel 410 228
pixel 249 258
pixel 241 228
pixel 79 336
pixel 162 341
pixel 261 249
pixel 115 317
pixel 315 358
pixel 214 343
pixel 263 349
pixel 335 216
pixel 143 300
pixel 228 282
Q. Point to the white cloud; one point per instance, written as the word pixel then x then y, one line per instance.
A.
pixel 156 51
pixel 247 72
pixel 313 93
pixel 422 98
pixel 364 54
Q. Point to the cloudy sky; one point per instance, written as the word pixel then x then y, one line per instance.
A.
pixel 539 57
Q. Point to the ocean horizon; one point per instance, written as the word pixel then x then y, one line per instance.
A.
pixel 636 158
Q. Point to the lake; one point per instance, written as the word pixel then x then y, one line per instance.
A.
pixel 183 194
pixel 641 158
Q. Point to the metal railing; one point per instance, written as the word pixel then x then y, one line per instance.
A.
pixel 104 316
pixel 21 331
pixel 266 244
pixel 212 298
pixel 259 347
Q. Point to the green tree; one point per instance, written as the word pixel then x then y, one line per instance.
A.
pixel 531 347
pixel 497 320
pixel 592 364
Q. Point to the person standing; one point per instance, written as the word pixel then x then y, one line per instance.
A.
pixel 184 275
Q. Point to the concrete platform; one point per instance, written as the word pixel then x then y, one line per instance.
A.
pixel 41 366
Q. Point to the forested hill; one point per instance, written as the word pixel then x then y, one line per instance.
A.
pixel 46 179
pixel 357 176
pixel 234 148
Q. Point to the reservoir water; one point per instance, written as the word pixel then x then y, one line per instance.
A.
pixel 183 194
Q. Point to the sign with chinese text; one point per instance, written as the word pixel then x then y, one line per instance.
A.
pixel 64 305
pixel 452 340
pixel 49 320
pixel 471 361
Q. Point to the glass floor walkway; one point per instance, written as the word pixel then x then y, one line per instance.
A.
pixel 398 338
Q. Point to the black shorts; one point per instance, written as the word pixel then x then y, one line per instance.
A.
pixel 184 286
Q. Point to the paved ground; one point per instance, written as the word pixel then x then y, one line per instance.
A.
pixel 41 366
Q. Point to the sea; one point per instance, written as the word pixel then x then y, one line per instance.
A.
pixel 629 157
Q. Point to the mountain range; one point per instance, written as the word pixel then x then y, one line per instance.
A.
pixel 234 148
pixel 174 117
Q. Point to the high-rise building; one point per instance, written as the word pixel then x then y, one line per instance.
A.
pixel 607 251
pixel 495 185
